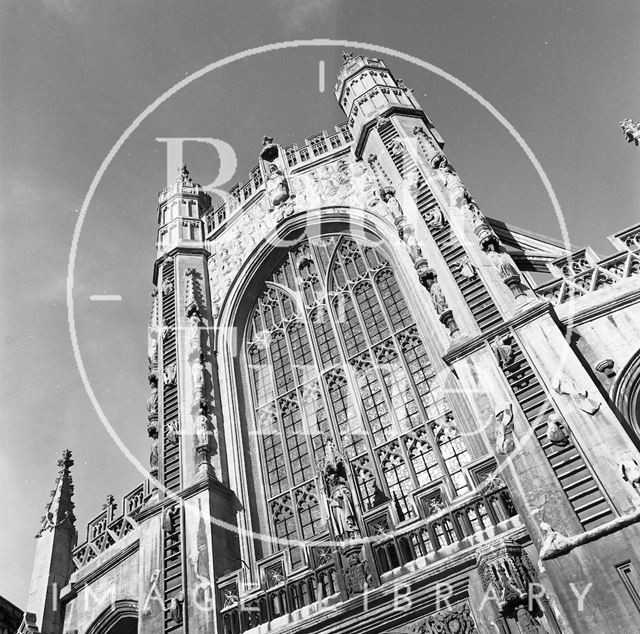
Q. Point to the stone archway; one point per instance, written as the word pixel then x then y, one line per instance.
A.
pixel 626 394
pixel 119 618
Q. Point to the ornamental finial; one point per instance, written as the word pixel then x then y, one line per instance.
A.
pixel 183 175
pixel 631 130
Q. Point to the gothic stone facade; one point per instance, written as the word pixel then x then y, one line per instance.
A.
pixel 364 416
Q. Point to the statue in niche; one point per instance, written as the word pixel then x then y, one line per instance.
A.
pixel 451 181
pixel 501 262
pixel 203 431
pixel 439 300
pixel 152 350
pixel 388 196
pixel 197 376
pixel 153 456
pixel 152 401
pixel 630 471
pixel 276 186
pixel 169 517
pixel 342 512
pixel 556 434
pixel 504 429
pixel 357 576
pixel 194 330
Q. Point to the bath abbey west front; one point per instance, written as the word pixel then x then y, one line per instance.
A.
pixel 364 414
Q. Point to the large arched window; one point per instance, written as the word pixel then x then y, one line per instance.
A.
pixel 333 352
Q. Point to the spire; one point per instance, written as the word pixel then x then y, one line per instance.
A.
pixel 59 509
pixel 631 130
pixel 52 562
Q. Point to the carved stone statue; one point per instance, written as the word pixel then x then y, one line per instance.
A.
pixel 153 456
pixel 203 431
pixel 630 471
pixel 556 434
pixel 504 429
pixel 502 263
pixel 175 608
pixel 466 268
pixel 173 431
pixel 197 376
pixel 451 181
pixel 579 397
pixel 388 196
pixel 342 513
pixel 169 374
pixel 152 401
pixel 277 186
pixel 551 540
pixel 502 347
pixel 194 333
pixel 439 300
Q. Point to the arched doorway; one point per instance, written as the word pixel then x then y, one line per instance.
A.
pixel 121 617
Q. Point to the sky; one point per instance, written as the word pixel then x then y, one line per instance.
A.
pixel 74 74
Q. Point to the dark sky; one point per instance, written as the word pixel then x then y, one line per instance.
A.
pixel 75 73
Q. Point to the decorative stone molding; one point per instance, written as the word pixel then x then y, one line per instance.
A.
pixel 457 620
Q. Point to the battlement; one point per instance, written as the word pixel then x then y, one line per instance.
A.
pixel 106 529
pixel 581 274
pixel 241 194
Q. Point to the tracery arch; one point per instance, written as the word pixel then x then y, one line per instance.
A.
pixel 332 352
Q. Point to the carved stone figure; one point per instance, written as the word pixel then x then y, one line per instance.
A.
pixel 175 608
pixel 197 376
pixel 169 517
pixel 194 333
pixel 556 434
pixel 357 576
pixel 167 287
pixel 504 429
pixel 152 400
pixel 551 540
pixel 388 196
pixel 466 268
pixel 152 350
pixel 451 181
pixel 502 347
pixel 342 513
pixel 164 330
pixel 203 431
pixel 153 456
pixel 173 431
pixel 579 397
pixel 169 374
pixel 435 218
pixel 630 471
pixel 439 300
pixel 502 263
pixel 277 186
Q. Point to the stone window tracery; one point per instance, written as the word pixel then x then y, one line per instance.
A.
pixel 333 353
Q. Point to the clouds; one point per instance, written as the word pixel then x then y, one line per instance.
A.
pixel 303 14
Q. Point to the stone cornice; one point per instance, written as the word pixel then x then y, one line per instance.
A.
pixel 610 305
pixel 205 483
pixel 469 345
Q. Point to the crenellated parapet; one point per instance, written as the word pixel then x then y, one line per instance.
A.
pixel 581 274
